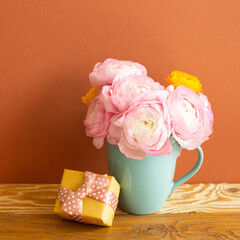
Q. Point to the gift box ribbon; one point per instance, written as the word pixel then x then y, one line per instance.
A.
pixel 93 186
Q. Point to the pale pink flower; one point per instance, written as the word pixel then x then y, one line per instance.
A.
pixel 97 121
pixel 191 121
pixel 104 73
pixel 126 91
pixel 208 109
pixel 144 128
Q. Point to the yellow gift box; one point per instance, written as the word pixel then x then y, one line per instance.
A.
pixel 93 212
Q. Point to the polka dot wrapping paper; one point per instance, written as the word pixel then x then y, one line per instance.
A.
pixel 87 197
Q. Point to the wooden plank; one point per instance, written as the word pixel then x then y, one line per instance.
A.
pixel 188 198
pixel 198 211
pixel 204 198
pixel 155 226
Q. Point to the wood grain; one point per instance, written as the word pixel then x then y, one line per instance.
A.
pixel 198 211
pixel 204 198
pixel 165 226
pixel 187 198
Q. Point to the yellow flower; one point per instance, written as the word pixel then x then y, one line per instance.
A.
pixel 178 78
pixel 90 95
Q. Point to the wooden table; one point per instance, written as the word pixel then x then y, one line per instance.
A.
pixel 194 211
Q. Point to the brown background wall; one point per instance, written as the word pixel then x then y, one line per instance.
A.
pixel 48 48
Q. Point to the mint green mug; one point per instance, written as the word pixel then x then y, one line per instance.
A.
pixel 146 184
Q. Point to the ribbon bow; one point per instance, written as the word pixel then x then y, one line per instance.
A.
pixel 94 187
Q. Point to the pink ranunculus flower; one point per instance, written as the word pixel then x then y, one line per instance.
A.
pixel 130 89
pixel 191 119
pixel 97 121
pixel 208 109
pixel 144 128
pixel 104 73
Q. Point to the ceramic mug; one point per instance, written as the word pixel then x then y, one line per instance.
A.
pixel 146 184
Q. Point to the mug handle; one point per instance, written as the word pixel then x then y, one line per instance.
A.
pixel 191 172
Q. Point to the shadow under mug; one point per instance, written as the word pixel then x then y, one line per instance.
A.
pixel 146 184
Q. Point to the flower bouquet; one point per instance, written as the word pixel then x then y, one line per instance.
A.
pixel 143 120
pixel 131 110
